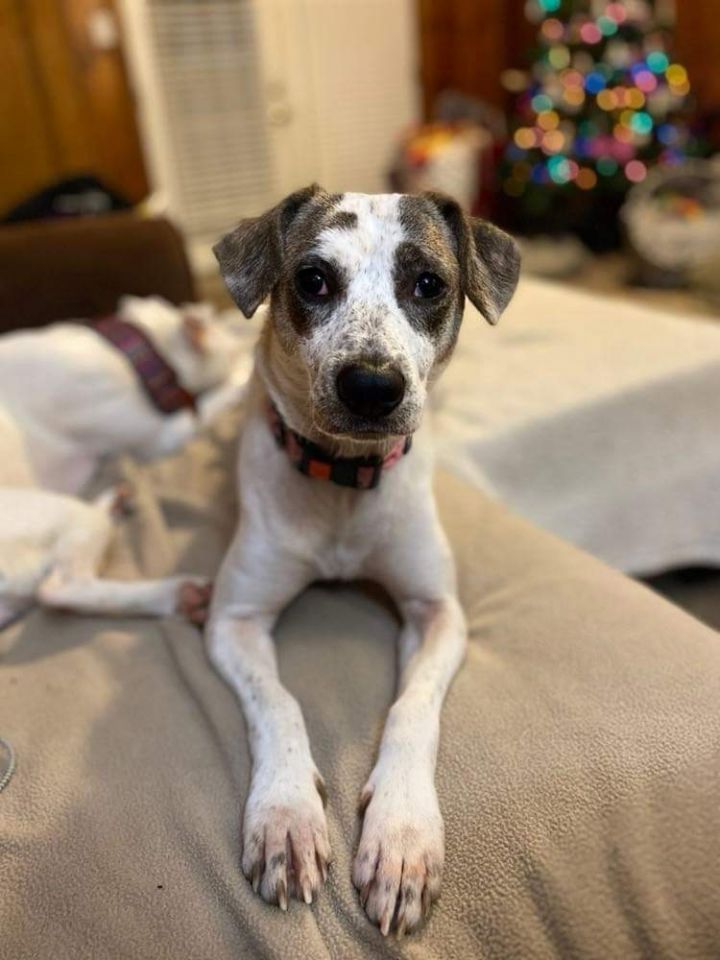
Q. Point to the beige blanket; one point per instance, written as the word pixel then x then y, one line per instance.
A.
pixel 578 770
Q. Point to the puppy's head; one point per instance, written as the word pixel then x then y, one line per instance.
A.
pixel 202 347
pixel 368 294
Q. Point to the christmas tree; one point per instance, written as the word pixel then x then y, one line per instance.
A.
pixel 603 102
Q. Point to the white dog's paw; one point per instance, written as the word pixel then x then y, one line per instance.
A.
pixel 398 866
pixel 123 504
pixel 286 850
pixel 193 597
pixel 117 501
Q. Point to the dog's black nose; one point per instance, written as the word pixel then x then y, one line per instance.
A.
pixel 370 393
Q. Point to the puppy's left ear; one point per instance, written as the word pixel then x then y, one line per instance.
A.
pixel 489 258
pixel 250 256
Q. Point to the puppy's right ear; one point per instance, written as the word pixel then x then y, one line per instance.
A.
pixel 250 255
pixel 489 258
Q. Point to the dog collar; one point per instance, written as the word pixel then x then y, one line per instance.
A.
pixel 362 473
pixel 156 376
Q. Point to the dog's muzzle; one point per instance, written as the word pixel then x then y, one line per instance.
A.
pixel 368 392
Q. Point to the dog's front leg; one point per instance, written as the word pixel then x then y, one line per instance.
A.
pixel 399 861
pixel 286 849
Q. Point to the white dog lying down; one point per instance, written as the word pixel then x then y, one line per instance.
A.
pixel 367 300
pixel 68 398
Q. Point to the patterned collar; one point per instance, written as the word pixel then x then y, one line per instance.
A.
pixel 156 376
pixel 362 473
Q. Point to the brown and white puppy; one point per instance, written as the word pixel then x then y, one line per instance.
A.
pixel 367 300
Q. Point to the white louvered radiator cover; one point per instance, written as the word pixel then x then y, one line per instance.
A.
pixel 242 101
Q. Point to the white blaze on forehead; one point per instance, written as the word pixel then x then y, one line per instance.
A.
pixel 370 319
pixel 366 252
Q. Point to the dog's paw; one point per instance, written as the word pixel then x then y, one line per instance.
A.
pixel 286 850
pixel 398 866
pixel 193 599
pixel 123 501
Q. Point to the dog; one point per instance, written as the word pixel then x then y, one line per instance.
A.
pixel 68 399
pixel 366 300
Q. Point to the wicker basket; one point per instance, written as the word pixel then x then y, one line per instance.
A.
pixel 672 218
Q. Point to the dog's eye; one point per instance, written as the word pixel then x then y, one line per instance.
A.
pixel 312 281
pixel 428 286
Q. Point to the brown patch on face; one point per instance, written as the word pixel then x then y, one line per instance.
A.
pixel 305 313
pixel 428 249
pixel 342 220
pixel 320 216
pixel 428 315
pixel 251 256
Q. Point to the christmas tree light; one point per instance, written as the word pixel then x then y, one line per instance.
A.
pixel 602 104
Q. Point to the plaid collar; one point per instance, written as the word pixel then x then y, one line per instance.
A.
pixel 156 376
pixel 362 473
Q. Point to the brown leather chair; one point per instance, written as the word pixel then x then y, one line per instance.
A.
pixel 79 268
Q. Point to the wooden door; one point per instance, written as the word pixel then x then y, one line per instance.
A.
pixel 466 44
pixel 697 44
pixel 65 102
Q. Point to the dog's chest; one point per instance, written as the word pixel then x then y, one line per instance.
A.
pixel 343 558
pixel 348 533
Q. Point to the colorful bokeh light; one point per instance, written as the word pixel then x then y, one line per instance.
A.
pixel 617 11
pixel 553 141
pixel 558 57
pixel 548 120
pixel 658 61
pixel 574 96
pixel 635 171
pixel 676 75
pixel 646 81
pixel 607 166
pixel 635 98
pixel 595 82
pixel 599 102
pixel 590 33
pixel 541 102
pixel 622 133
pixel 572 78
pixel 525 138
pixel 554 30
pixel 641 122
pixel 607 26
pixel 586 178
pixel 559 169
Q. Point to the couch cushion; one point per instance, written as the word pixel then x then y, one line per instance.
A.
pixel 578 766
